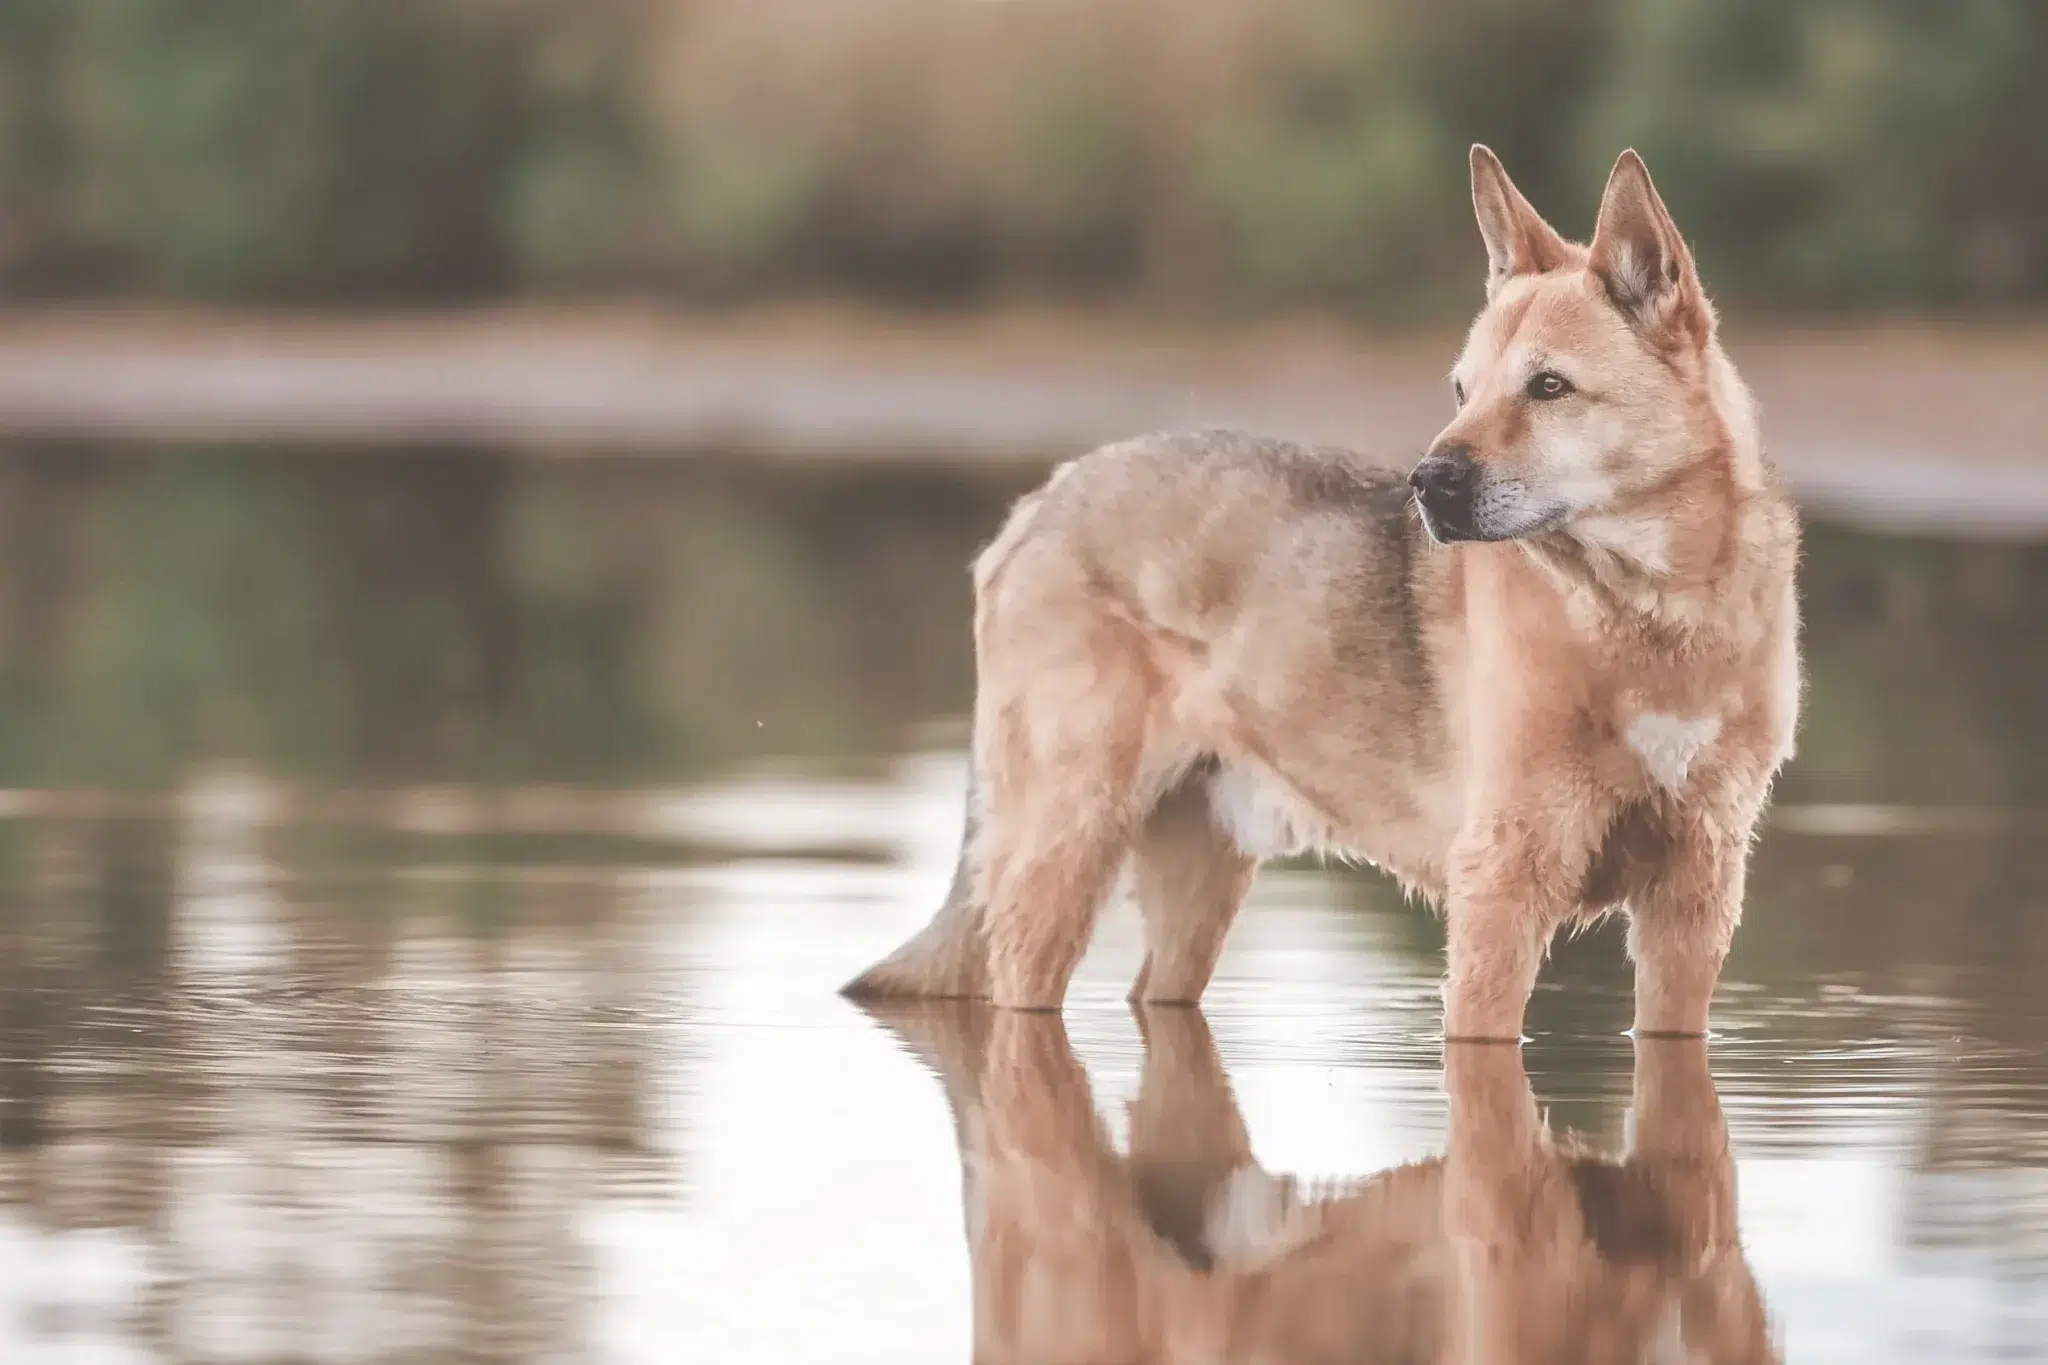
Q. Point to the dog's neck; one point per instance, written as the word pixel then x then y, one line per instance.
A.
pixel 1633 573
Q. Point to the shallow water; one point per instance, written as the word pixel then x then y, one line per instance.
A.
pixel 425 884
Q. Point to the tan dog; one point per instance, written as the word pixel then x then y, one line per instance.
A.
pixel 1554 682
pixel 1514 1248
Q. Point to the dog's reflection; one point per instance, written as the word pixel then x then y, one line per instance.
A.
pixel 1517 1245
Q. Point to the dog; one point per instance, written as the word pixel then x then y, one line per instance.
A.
pixel 1550 675
pixel 1516 1244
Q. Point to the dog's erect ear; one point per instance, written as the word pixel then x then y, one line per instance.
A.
pixel 1639 257
pixel 1518 241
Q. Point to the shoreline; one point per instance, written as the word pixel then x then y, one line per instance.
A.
pixel 1904 426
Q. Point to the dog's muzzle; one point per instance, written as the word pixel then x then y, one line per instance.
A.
pixel 1444 485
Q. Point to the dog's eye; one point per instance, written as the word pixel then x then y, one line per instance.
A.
pixel 1457 393
pixel 1548 384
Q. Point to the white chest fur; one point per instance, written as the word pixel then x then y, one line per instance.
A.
pixel 1265 819
pixel 1669 744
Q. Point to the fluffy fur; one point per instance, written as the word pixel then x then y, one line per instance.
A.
pixel 1550 676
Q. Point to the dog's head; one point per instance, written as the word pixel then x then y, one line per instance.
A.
pixel 1587 383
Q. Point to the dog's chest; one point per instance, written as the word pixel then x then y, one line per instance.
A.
pixel 1669 744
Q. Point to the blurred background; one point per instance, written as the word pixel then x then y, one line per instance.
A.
pixel 485 495
pixel 1193 155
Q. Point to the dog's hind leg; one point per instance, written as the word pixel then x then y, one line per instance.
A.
pixel 1191 879
pixel 1062 759
pixel 1050 866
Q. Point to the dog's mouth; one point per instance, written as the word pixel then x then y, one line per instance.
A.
pixel 1443 524
pixel 1494 511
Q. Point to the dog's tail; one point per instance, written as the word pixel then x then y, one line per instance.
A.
pixel 945 959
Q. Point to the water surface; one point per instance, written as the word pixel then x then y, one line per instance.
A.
pixel 424 877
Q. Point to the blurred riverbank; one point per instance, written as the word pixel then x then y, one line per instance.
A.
pixel 1901 425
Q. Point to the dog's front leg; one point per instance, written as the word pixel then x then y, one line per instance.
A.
pixel 1515 875
pixel 1497 939
pixel 1680 927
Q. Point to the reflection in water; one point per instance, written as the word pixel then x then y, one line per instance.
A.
pixel 234 1126
pixel 1515 1245
pixel 365 616
pixel 273 1089
pixel 385 977
pixel 373 615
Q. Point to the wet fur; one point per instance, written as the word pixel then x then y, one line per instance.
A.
pixel 1197 651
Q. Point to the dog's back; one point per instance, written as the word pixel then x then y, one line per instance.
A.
pixel 1151 626
pixel 1241 585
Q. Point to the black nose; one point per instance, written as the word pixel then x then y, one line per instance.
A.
pixel 1444 482
pixel 1446 472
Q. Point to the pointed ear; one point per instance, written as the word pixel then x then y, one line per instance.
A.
pixel 1518 241
pixel 1642 261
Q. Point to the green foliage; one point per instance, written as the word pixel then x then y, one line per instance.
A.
pixel 1807 147
pixel 1345 177
pixel 33 153
pixel 1070 181
pixel 1334 214
pixel 570 203
pixel 301 148
pixel 738 209
pixel 1822 154
pixel 576 179
pixel 248 147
